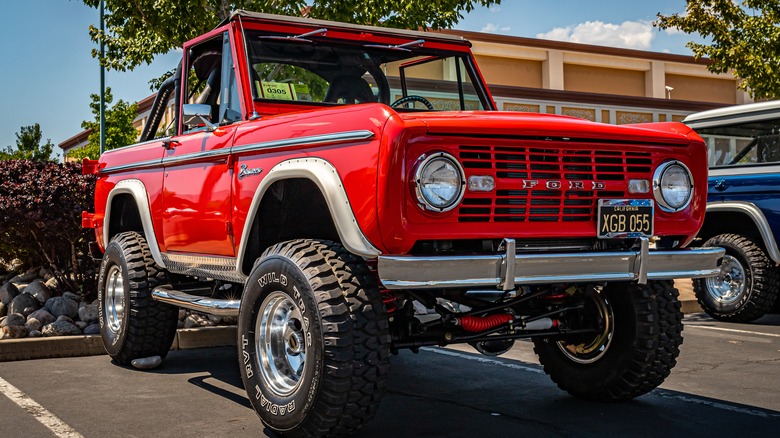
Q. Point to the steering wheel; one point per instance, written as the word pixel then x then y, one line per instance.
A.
pixel 412 98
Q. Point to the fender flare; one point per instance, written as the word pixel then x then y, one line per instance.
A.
pixel 325 176
pixel 758 218
pixel 137 190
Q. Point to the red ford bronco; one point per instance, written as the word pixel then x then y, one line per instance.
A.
pixel 320 181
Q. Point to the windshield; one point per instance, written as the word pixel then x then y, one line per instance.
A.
pixel 409 77
pixel 743 144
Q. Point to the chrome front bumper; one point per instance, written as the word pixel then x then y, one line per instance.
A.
pixel 508 270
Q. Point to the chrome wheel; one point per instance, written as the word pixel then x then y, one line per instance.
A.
pixel 729 285
pixel 280 343
pixel 592 348
pixel 115 299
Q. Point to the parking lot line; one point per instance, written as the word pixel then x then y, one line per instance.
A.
pixel 481 359
pixel 723 329
pixel 46 418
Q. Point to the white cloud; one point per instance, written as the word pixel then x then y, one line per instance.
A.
pixel 629 34
pixel 489 28
pixel 494 28
pixel 495 9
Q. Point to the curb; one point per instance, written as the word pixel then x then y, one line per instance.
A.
pixel 92 345
pixel 186 339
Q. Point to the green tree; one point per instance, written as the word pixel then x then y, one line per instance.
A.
pixel 28 146
pixel 744 37
pixel 119 126
pixel 139 30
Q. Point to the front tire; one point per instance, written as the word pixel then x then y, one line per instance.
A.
pixel 635 348
pixel 313 340
pixel 133 325
pixel 746 287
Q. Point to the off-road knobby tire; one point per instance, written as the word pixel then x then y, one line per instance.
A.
pixel 644 347
pixel 761 281
pixel 149 326
pixel 347 362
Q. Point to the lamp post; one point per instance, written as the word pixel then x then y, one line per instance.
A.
pixel 102 84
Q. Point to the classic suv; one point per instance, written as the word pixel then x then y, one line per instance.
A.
pixel 332 175
pixel 743 209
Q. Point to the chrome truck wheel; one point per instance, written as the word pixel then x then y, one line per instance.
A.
pixel 632 351
pixel 746 287
pixel 132 324
pixel 313 339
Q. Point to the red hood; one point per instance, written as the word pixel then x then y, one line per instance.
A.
pixel 493 123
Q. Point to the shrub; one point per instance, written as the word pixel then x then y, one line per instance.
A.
pixel 40 219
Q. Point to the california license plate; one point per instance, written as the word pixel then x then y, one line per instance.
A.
pixel 625 218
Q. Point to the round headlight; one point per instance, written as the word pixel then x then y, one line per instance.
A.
pixel 672 186
pixel 440 182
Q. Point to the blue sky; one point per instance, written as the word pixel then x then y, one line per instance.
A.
pixel 48 73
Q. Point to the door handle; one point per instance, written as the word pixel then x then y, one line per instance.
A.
pixel 170 144
pixel 720 184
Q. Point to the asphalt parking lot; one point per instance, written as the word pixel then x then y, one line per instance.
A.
pixel 726 383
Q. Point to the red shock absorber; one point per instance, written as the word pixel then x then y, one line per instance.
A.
pixel 388 297
pixel 481 323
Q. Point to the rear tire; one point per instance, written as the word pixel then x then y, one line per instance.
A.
pixel 746 287
pixel 133 325
pixel 632 354
pixel 313 340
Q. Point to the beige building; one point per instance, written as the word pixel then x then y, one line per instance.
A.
pixel 602 84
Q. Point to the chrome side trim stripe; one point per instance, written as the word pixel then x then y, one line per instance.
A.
pixel 196 265
pixel 758 218
pixel 308 140
pixel 140 165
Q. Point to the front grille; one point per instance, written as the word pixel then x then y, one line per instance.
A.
pixel 543 184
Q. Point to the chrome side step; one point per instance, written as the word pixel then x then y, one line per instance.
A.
pixel 208 305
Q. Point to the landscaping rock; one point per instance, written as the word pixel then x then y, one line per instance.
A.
pixel 44 274
pixel 216 320
pixel 13 319
pixel 8 292
pixel 13 332
pixel 27 277
pixel 52 283
pixel 3 310
pixel 43 316
pixel 72 296
pixel 21 302
pixel 33 324
pixel 63 305
pixel 81 325
pixel 60 328
pixel 88 312
pixel 34 334
pixel 92 329
pixel 28 310
pixel 182 314
pixel 65 318
pixel 197 321
pixel 39 290
pixel 147 363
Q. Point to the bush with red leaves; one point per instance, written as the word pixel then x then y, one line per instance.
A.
pixel 40 219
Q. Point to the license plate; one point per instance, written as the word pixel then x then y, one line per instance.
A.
pixel 625 218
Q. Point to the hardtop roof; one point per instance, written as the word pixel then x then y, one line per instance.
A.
pixel 734 114
pixel 386 31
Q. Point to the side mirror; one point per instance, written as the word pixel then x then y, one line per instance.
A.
pixel 197 114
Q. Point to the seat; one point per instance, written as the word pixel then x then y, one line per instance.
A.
pixel 352 89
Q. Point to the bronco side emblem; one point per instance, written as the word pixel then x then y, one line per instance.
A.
pixel 246 172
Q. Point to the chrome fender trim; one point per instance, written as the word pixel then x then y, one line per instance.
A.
pixel 137 190
pixel 327 179
pixel 758 218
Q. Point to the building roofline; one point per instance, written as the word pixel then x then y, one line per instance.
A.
pixel 75 140
pixel 575 47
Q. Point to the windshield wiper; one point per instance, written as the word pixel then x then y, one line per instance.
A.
pixel 300 38
pixel 402 47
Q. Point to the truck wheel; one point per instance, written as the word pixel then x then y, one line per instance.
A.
pixel 132 323
pixel 746 287
pixel 636 347
pixel 313 339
